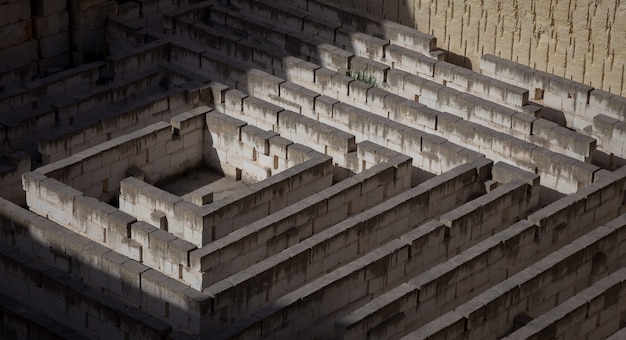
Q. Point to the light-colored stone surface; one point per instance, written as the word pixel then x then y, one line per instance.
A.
pixel 575 40
pixel 307 169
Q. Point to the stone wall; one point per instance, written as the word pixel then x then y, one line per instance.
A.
pixel 508 133
pixel 511 255
pixel 51 26
pixel 159 151
pixel 579 40
pixel 55 34
pixel 69 267
pixel 564 307
pixel 345 241
pixel 428 192
pixel 17 43
pixel 10 178
pixel 393 263
pixel 201 224
pixel 592 313
pixel 61 190
pixel 287 227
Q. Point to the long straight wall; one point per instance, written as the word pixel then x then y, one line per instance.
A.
pixel 579 40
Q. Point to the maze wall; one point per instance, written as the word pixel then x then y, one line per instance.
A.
pixel 572 39
pixel 375 190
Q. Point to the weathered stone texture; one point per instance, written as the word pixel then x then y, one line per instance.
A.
pixel 582 40
pixel 377 186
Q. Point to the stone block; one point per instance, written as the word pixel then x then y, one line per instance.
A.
pixel 339 59
pixel 260 109
pixel 488 64
pixel 514 95
pixel 220 124
pixel 522 122
pixel 48 7
pixel 480 85
pixel 131 276
pixel 128 10
pixel 14 11
pixel 543 128
pixel 93 13
pixel 324 105
pixel 257 138
pixel 461 77
pixel 112 264
pixel 53 24
pixel 603 126
pixel 234 100
pixel 159 219
pixel 524 76
pixel 58 193
pixel 178 251
pixel 159 243
pixel 600 99
pixel 73 243
pixel 617 107
pixel 140 232
pixel 324 57
pixel 364 68
pixel 31 182
pixel 202 196
pixel 190 121
pixel 444 71
pixel 271 84
pixel 323 78
pixel 295 68
pixel 91 255
pixel 396 78
pixel 15 34
pixel 255 82
pixel 553 100
pixel 24 51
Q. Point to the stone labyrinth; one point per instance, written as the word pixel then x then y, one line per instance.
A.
pixel 300 169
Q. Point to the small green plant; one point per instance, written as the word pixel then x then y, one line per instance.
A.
pixel 362 75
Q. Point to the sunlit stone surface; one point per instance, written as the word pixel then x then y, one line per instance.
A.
pixel 311 169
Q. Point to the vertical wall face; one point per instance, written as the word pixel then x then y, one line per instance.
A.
pixel 572 39
pixel 16 32
pixel 88 28
pixel 51 29
pixel 54 33
pixel 581 40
